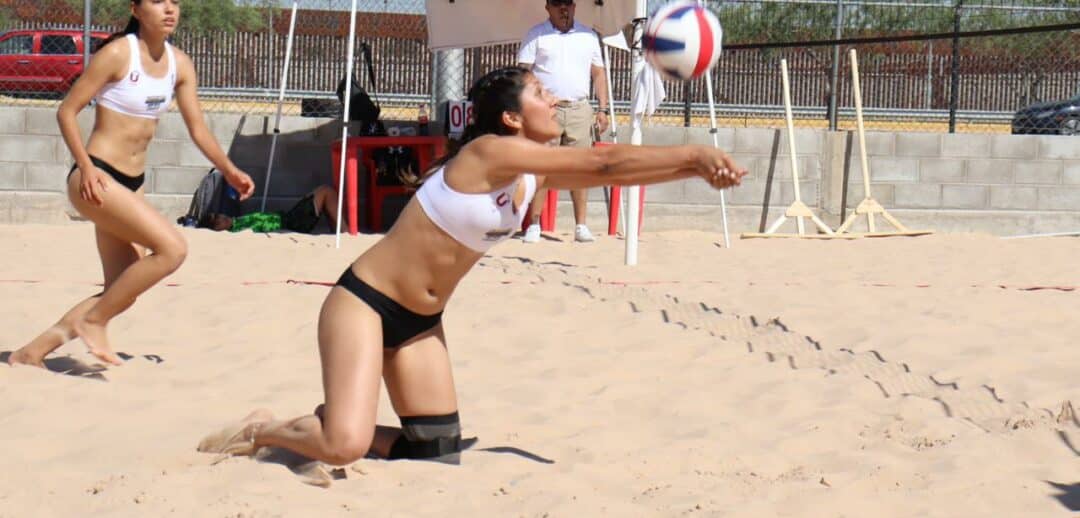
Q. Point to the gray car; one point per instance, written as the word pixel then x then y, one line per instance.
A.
pixel 1049 118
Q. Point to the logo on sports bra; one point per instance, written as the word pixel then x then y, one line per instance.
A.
pixel 134 77
pixel 495 235
pixel 153 103
pixel 502 199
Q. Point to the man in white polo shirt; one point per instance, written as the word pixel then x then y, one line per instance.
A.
pixel 565 55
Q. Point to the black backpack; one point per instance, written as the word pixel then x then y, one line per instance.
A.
pixel 213 196
pixel 361 106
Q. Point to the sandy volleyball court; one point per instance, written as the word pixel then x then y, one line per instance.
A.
pixel 922 376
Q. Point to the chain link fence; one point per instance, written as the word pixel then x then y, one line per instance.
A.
pixel 930 65
pixel 239 51
pixel 926 65
pixel 907 85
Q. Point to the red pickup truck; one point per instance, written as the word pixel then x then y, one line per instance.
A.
pixel 42 62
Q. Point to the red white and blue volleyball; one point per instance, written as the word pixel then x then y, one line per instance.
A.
pixel 682 40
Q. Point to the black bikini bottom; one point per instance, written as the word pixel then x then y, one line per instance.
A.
pixel 131 182
pixel 399 324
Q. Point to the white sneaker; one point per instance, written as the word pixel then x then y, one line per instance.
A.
pixel 532 234
pixel 582 234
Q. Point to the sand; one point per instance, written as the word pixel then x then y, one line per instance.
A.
pixel 882 377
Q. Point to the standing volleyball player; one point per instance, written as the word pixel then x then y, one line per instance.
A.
pixel 134 77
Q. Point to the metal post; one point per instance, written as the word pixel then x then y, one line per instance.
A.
pixel 349 65
pixel 716 144
pixel 637 66
pixel 449 84
pixel 833 94
pixel 930 75
pixel 436 116
pixel 86 33
pixel 686 104
pixel 281 100
pixel 954 91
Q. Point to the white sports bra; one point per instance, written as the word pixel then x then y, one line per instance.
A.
pixel 477 221
pixel 139 94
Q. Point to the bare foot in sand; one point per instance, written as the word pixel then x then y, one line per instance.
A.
pixel 22 357
pixel 237 438
pixel 96 340
pixel 33 353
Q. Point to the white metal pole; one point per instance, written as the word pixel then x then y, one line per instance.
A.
pixel 716 144
pixel 614 129
pixel 345 122
pixel 281 99
pixel 87 21
pixel 637 67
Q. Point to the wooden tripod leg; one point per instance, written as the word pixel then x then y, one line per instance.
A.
pixel 899 226
pixel 800 211
pixel 776 224
pixel 847 223
pixel 797 209
pixel 856 92
pixel 822 226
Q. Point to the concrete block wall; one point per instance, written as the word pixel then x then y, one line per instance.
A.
pixel 976 171
pixel 694 205
pixel 302 154
pixel 1002 184
pixel 763 151
pixel 34 160
pixel 1014 183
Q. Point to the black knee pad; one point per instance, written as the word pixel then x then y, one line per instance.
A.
pixel 435 438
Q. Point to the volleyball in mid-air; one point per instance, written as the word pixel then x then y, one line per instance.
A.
pixel 682 40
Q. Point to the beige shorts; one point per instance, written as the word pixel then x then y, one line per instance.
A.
pixel 577 122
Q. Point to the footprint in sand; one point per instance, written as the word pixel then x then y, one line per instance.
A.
pixel 779 343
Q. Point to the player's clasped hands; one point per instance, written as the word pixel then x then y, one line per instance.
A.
pixel 719 169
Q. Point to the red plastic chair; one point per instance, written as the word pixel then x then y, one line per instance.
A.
pixel 359 148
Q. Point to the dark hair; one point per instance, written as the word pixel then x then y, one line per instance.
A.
pixel 131 28
pixel 493 94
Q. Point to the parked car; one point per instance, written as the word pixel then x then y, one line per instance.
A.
pixel 1049 118
pixel 42 62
